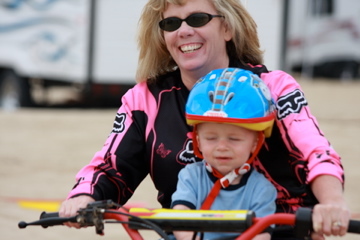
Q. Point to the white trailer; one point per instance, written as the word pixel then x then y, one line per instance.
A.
pixel 88 45
pixel 324 38
pixel 317 37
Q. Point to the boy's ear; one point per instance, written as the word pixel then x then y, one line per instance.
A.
pixel 195 140
pixel 198 142
pixel 255 144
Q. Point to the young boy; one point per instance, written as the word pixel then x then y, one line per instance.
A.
pixel 231 111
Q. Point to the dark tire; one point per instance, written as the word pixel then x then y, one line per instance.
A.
pixel 14 91
pixel 338 70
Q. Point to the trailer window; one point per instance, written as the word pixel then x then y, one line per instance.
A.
pixel 322 7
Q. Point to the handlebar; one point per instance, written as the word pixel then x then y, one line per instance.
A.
pixel 94 215
pixel 161 220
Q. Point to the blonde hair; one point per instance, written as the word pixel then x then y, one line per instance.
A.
pixel 154 58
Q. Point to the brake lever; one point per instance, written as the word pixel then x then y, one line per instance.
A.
pixel 93 214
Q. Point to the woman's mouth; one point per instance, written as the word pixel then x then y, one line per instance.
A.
pixel 190 48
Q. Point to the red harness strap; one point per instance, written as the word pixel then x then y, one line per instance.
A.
pixel 214 191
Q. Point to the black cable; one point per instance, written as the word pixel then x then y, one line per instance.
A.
pixel 142 225
pixel 151 225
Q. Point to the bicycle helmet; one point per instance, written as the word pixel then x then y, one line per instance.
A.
pixel 235 96
pixel 231 95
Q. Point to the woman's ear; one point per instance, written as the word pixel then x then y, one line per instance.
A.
pixel 227 32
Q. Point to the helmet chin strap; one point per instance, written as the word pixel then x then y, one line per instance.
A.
pixel 225 181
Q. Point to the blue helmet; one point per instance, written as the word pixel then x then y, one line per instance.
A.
pixel 231 95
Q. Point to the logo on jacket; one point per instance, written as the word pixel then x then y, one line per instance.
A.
pixel 290 103
pixel 162 151
pixel 187 155
pixel 119 123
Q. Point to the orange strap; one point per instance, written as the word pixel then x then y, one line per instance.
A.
pixel 212 195
pixel 214 191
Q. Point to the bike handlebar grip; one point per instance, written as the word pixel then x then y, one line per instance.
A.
pixel 303 222
pixel 49 215
pixel 354 226
pixel 48 219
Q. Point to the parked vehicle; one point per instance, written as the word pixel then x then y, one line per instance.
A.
pixel 320 38
pixel 88 46
pixel 324 38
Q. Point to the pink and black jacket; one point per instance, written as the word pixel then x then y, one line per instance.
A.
pixel 150 136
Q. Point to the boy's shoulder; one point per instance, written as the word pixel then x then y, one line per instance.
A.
pixel 194 169
pixel 195 166
pixel 257 178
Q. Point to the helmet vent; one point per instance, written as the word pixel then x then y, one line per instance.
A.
pixel 228 98
pixel 211 96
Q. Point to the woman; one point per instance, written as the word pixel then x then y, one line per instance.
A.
pixel 181 41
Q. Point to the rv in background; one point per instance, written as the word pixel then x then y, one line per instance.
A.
pixel 323 38
pixel 89 46
pixel 319 38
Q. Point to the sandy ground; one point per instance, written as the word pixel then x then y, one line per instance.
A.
pixel 41 150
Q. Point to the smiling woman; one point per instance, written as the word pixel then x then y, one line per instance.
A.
pixel 297 159
pixel 196 50
pixel 156 58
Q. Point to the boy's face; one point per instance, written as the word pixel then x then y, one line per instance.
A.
pixel 225 146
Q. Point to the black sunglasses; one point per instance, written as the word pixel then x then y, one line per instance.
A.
pixel 193 20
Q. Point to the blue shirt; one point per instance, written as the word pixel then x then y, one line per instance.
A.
pixel 254 192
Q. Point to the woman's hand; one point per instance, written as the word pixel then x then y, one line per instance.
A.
pixel 330 219
pixel 331 216
pixel 70 207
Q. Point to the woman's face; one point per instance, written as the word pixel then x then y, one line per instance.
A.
pixel 197 50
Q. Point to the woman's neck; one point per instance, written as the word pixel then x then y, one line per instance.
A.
pixel 189 78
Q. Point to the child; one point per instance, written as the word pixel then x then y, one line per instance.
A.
pixel 231 111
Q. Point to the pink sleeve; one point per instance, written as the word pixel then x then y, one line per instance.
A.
pixel 137 98
pixel 300 129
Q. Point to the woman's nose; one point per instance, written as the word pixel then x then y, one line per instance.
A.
pixel 185 29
